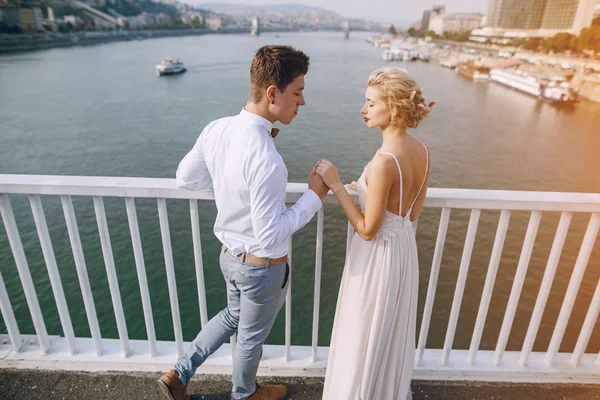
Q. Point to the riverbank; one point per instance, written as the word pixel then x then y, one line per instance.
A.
pixel 16 43
pixel 582 74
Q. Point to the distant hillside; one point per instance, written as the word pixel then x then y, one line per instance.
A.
pixel 234 9
pixel 130 8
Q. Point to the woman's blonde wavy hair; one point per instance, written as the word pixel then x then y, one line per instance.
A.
pixel 402 95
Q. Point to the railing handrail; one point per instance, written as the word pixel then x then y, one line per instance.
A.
pixel 65 185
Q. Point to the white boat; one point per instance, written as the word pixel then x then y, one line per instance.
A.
pixel 448 64
pixel 424 57
pixel 346 29
pixel 478 73
pixel 559 92
pixel 170 66
pixel 396 54
pixel 255 31
pixel 554 90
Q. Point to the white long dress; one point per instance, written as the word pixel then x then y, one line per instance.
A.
pixel 372 349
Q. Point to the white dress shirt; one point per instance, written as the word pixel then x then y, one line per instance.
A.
pixel 236 157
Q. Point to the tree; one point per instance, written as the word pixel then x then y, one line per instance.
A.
pixel 574 43
pixel 44 6
pixel 4 27
pixel 392 30
pixel 80 26
pixel 196 23
pixel 589 39
pixel 61 10
pixel 531 44
pixel 458 36
pixel 63 28
pixel 560 42
pixel 412 31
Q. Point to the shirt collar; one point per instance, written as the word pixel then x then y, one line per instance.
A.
pixel 257 119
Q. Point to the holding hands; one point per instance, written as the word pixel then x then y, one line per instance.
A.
pixel 325 176
pixel 329 173
pixel 316 184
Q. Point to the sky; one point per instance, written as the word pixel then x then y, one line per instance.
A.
pixel 377 10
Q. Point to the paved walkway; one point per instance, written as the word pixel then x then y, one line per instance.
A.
pixel 58 385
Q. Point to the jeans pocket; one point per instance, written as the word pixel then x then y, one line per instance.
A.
pixel 253 271
pixel 287 275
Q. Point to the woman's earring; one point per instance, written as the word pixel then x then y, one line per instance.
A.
pixel 272 101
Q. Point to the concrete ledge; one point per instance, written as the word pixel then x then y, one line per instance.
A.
pixel 67 385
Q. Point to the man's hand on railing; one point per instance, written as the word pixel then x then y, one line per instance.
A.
pixel 316 184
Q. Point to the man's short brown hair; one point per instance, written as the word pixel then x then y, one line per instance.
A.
pixel 276 65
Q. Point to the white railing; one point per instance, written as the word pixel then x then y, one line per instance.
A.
pixel 97 353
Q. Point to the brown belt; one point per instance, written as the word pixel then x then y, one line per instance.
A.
pixel 259 261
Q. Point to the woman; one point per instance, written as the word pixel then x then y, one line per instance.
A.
pixel 373 341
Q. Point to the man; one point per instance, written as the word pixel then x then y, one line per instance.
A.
pixel 236 156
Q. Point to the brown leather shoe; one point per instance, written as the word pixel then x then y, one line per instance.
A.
pixel 172 387
pixel 269 392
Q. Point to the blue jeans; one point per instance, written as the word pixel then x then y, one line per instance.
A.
pixel 255 296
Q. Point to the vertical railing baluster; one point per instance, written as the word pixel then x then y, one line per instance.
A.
pixel 460 284
pixel 515 293
pixel 55 282
pixel 567 306
pixel 8 315
pixel 171 281
pixel 288 307
pixel 23 268
pixel 82 275
pixel 488 288
pixel 547 280
pixel 433 280
pixel 140 265
pixel 317 293
pixel 198 261
pixel 587 328
pixel 113 281
pixel 349 235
